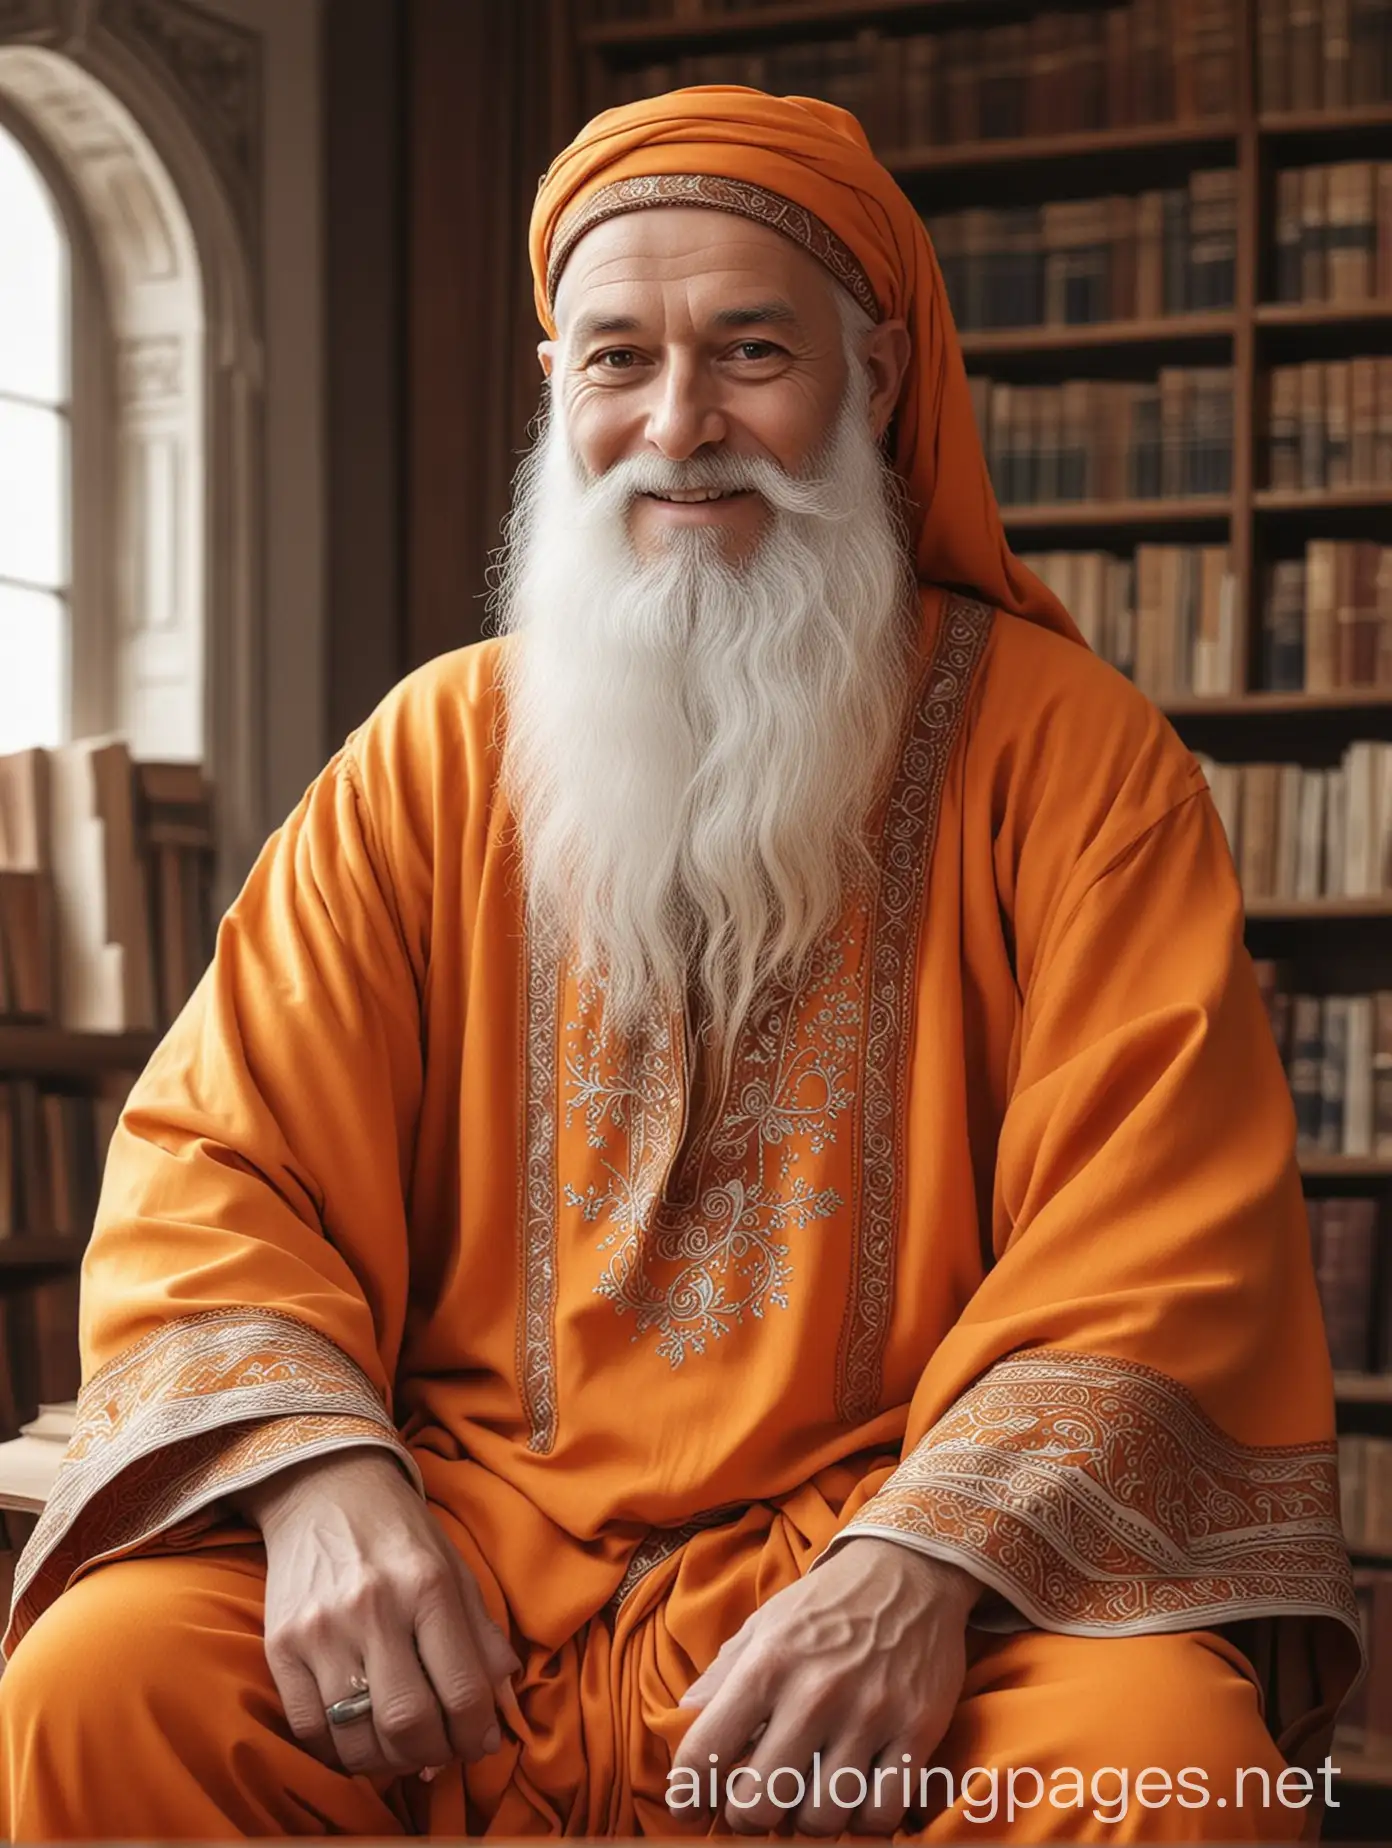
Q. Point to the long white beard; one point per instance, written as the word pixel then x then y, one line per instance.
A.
pixel 693 748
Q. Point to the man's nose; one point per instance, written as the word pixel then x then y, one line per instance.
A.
pixel 685 414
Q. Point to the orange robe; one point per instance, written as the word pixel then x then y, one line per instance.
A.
pixel 996 1244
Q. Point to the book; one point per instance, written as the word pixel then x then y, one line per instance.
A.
pixel 1326 618
pixel 1322 55
pixel 1164 616
pixel 1319 426
pixel 1333 232
pixel 1118 439
pixel 1344 1275
pixel 1307 832
pixel 28 1470
pixel 1077 262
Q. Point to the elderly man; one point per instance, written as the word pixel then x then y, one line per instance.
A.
pixel 720 1247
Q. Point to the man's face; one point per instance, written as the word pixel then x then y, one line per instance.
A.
pixel 685 333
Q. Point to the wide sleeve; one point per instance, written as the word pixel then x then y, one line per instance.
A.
pixel 244 1291
pixel 1130 1428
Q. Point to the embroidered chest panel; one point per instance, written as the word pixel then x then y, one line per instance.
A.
pixel 694 1237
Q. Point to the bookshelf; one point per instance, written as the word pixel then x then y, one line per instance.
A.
pixel 1213 138
pixel 1363 1388
pixel 1316 1165
pixel 26 1253
pixel 86 832
pixel 695 23
pixel 999 343
pixel 1238 136
pixel 1100 515
pixel 40 1050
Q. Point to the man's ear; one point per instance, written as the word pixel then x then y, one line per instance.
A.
pixel 887 351
pixel 546 353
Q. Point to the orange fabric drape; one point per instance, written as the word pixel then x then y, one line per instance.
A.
pixel 818 156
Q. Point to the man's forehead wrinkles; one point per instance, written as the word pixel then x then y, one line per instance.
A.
pixel 749 270
pixel 630 298
pixel 769 312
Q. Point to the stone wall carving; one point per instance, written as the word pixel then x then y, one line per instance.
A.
pixel 210 66
pixel 151 370
pixel 29 19
pixel 214 68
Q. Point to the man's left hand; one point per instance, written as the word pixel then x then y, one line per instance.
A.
pixel 861 1661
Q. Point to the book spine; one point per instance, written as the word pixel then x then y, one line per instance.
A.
pixel 1273 23
pixel 1336 53
pixel 1382 1077
pixel 1314 193
pixel 1338 424
pixel 1306 1068
pixel 1321 633
pixel 1289 232
pixel 1358 1077
pixel 1312 425
pixel 1306 55
pixel 1345 1279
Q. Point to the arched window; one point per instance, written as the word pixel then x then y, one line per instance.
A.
pixel 35 458
pixel 132 558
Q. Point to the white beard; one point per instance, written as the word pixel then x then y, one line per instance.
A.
pixel 693 748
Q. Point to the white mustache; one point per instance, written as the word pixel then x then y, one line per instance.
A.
pixel 608 495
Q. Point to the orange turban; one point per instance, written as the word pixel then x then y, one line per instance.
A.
pixel 806 168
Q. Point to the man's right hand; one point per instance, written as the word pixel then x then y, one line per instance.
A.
pixel 361 1583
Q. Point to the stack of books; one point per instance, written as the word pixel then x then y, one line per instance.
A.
pixel 1323 54
pixel 1343 1242
pixel 53 1147
pixel 1326 621
pixel 29 1462
pixel 1329 424
pixel 1334 232
pixel 1164 616
pixel 1337 1051
pixel 1301 833
pixel 28 1470
pixel 1076 262
pixel 1108 439
pixel 1060 71
pixel 105 887
pixel 1365 1493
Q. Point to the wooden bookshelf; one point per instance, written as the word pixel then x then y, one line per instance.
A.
pixel 1325 500
pixel 52 1052
pixel 65 1060
pixel 1285 705
pixel 1313 910
pixel 1317 1165
pixel 787 20
pixel 1323 122
pixel 1303 315
pixel 1363 1388
pixel 26 1253
pixel 1054 516
pixel 1212 135
pixel 1173 331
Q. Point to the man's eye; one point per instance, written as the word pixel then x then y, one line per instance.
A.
pixel 755 349
pixel 615 359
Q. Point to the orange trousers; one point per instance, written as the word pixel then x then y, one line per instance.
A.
pixel 140 1705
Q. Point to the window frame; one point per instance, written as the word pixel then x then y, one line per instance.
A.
pixel 90 693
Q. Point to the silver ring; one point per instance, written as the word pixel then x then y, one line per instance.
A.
pixel 356 1706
